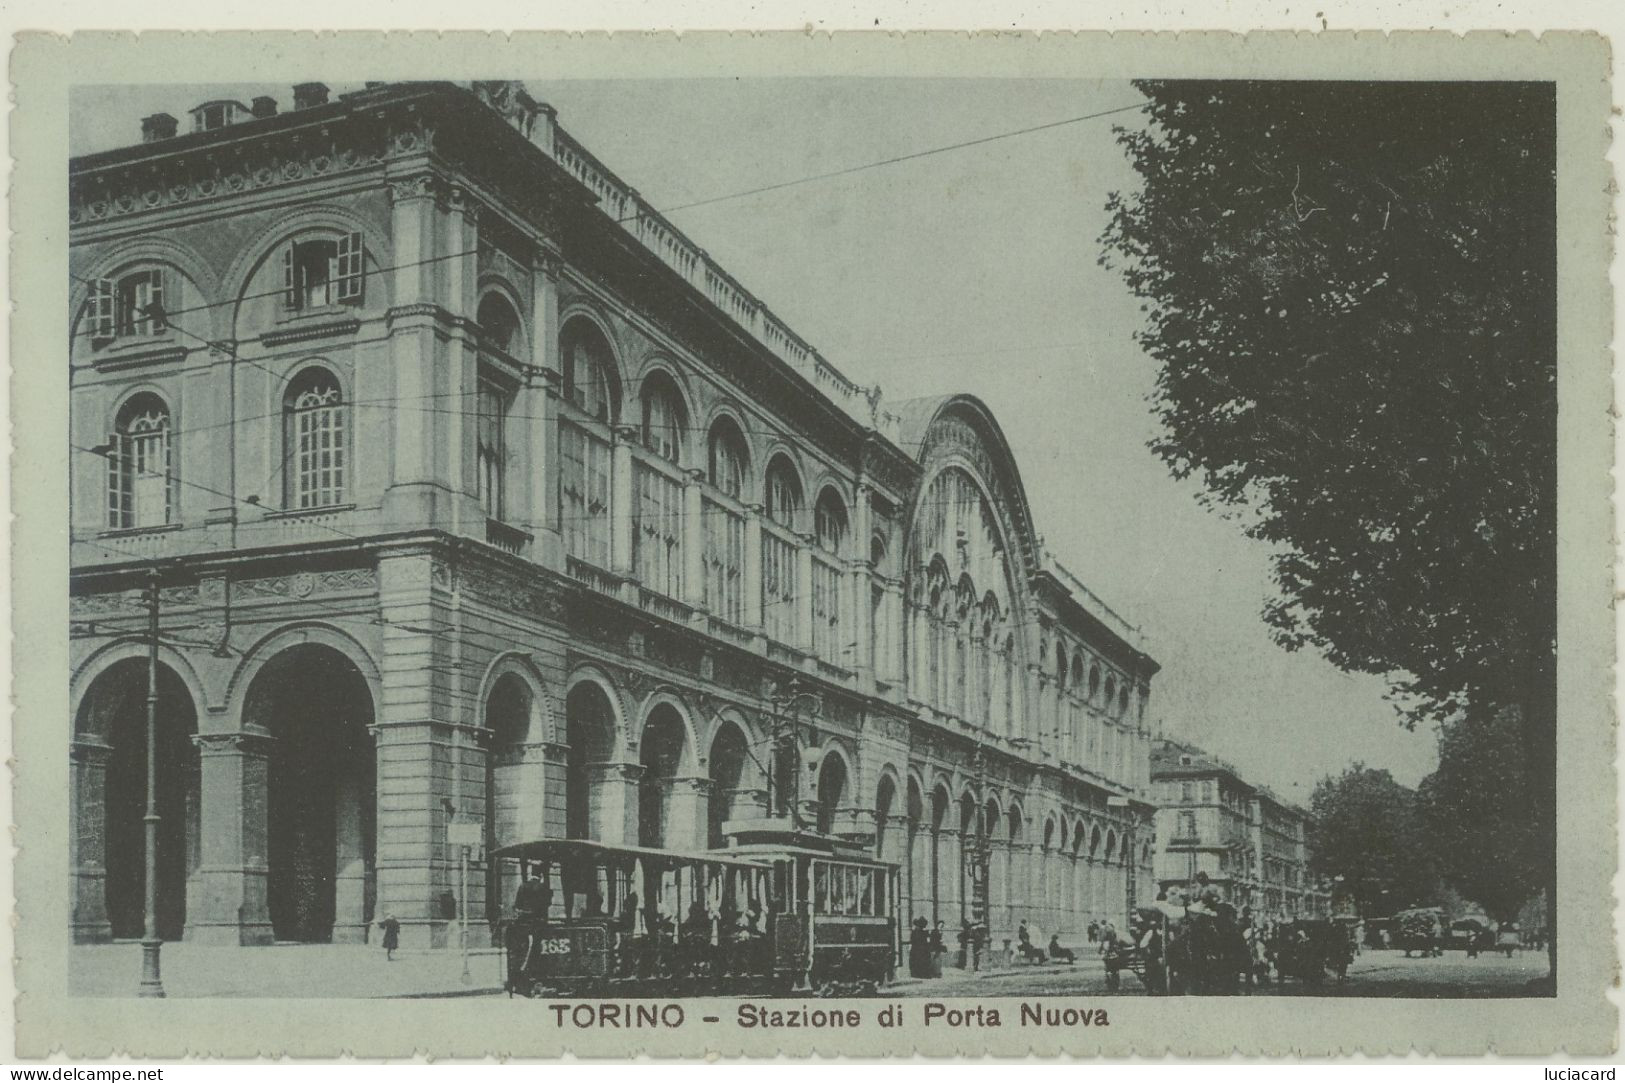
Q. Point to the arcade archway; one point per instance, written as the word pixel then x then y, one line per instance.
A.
pixel 321 793
pixel 110 801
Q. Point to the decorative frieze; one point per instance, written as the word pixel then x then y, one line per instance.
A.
pixel 239 168
pixel 306 584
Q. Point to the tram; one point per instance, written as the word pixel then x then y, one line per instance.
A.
pixel 771 916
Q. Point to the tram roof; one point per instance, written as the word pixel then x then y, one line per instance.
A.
pixel 555 849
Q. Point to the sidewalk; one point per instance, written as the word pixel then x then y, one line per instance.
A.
pixel 952 973
pixel 284 970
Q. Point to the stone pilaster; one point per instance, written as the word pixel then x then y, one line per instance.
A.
pixel 687 804
pixel 416 492
pixel 87 841
pixel 693 540
pixel 804 592
pixel 621 500
pixel 752 585
pixel 228 905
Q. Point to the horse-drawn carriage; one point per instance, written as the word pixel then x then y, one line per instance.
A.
pixel 1310 949
pixel 1181 949
pixel 1421 930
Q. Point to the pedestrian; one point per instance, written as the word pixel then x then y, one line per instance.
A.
pixel 919 950
pixel 392 935
pixel 1093 931
pixel 528 901
pixel 939 948
pixel 1057 952
pixel 1030 952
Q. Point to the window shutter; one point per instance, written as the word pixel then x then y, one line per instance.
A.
pixel 157 313
pixel 289 290
pixel 350 267
pixel 101 299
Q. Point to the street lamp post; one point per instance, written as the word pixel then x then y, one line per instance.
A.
pixel 786 699
pixel 152 984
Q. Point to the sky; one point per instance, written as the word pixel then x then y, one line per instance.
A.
pixel 975 270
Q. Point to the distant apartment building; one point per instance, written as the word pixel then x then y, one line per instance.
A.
pixel 1248 841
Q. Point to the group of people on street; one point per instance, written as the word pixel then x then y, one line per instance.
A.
pixel 927 947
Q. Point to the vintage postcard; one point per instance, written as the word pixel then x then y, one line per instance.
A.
pixel 861 544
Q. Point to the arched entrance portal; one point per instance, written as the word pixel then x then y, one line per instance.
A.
pixel 321 793
pixel 831 792
pixel 110 803
pixel 729 752
pixel 589 730
pixel 507 721
pixel 660 751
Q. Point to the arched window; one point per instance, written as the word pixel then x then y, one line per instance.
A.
pixel 879 613
pixel 139 481
pixel 829 522
pixel 964 626
pixel 587 372
pixel 499 323
pixel 491 442
pixel 782 493
pixel 1094 682
pixel 936 619
pixel 128 306
pixel 783 500
pixel 829 529
pixel 663 418
pixel 317 444
pixel 726 467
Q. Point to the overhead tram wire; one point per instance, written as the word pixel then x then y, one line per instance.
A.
pixel 849 170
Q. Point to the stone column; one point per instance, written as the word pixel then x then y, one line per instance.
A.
pixel 747 803
pixel 693 540
pixel 919 655
pixel 349 863
pixel 613 801
pixel 230 902
pixel 621 499
pixel 87 841
pixel 687 804
pixel 866 655
pixel 804 592
pixel 526 794
pixel 951 877
pixel 998 887
pixel 752 586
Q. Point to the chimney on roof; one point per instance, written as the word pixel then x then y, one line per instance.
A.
pixel 158 126
pixel 264 106
pixel 307 95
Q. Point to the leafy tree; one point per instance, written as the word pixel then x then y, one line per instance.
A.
pixel 1368 829
pixel 1475 803
pixel 1350 292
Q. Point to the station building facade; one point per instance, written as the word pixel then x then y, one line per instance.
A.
pixel 1248 841
pixel 471 490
